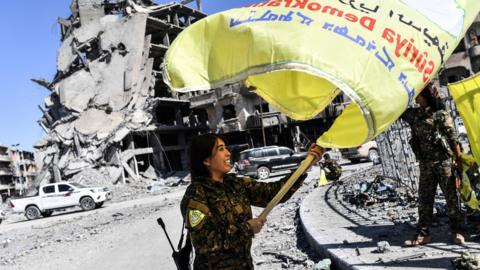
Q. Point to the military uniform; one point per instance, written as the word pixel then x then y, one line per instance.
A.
pixel 216 216
pixel 433 138
pixel 333 171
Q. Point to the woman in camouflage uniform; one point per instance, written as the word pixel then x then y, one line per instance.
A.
pixel 217 206
pixel 434 142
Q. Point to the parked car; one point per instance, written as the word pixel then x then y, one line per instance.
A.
pixel 60 196
pixel 368 151
pixel 261 162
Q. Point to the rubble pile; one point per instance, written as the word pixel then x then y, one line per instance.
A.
pixel 282 243
pixel 143 186
pixel 368 193
pixel 467 261
pixel 109 109
pixel 380 197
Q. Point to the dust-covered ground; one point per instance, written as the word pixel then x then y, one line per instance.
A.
pixel 124 234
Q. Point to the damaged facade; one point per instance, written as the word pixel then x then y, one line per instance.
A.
pixel 108 108
pixel 17 171
pixel 247 121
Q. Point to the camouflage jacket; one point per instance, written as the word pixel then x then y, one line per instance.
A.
pixel 433 133
pixel 332 170
pixel 216 216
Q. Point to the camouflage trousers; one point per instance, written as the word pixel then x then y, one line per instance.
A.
pixel 432 174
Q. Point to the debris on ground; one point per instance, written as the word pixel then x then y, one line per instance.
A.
pixel 467 261
pixel 323 265
pixel 383 246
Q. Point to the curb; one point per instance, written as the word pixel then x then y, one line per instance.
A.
pixel 337 262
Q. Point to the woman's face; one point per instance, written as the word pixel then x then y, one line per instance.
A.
pixel 218 163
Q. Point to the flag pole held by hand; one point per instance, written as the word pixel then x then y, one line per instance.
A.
pixel 314 154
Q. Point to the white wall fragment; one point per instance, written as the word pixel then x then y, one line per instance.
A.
pixel 77 90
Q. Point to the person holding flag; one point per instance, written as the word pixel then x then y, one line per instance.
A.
pixel 217 206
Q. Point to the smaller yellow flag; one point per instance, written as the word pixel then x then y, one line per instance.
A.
pixel 323 179
pixel 467 193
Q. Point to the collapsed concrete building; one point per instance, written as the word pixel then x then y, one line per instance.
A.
pixel 108 108
pixel 17 171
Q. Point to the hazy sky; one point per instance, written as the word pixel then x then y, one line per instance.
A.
pixel 30 37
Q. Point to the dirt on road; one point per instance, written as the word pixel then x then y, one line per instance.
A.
pixel 125 235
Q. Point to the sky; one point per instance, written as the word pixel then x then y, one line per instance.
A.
pixel 30 37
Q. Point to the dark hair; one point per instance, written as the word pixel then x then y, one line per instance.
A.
pixel 434 102
pixel 201 148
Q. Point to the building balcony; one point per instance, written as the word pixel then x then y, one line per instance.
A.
pixel 203 99
pixel 269 119
pixel 230 125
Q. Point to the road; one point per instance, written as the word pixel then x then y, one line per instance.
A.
pixel 119 236
pixel 125 235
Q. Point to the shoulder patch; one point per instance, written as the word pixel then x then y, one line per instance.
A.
pixel 195 217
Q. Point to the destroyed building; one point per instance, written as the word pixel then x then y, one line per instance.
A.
pixel 246 120
pixel 108 108
pixel 17 171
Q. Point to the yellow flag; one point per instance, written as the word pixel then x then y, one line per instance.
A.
pixel 467 192
pixel 466 95
pixel 300 54
pixel 323 179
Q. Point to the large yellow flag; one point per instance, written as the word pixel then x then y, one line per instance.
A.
pixel 466 95
pixel 299 54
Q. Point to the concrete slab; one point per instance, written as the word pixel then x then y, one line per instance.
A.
pixel 336 230
pixel 77 90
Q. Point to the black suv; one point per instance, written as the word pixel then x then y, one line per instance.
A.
pixel 260 162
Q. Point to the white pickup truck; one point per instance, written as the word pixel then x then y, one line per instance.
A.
pixel 60 196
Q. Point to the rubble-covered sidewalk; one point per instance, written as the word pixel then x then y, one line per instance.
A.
pixel 371 235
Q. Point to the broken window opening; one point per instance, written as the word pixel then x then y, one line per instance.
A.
pixel 143 162
pixel 229 112
pixel 174 158
pixel 165 115
pixel 161 157
pixel 161 90
pixel 265 107
pixel 114 7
